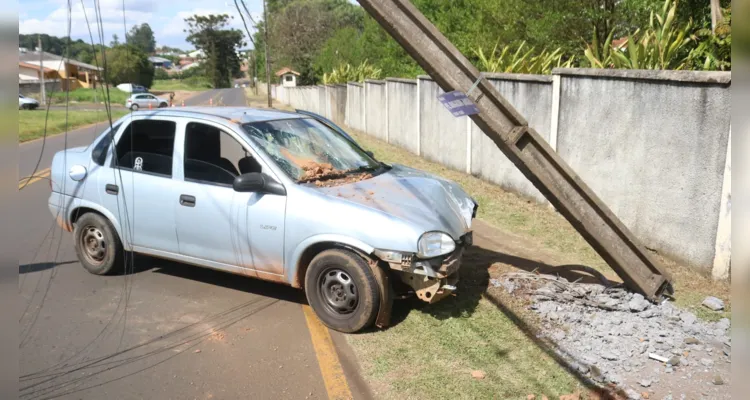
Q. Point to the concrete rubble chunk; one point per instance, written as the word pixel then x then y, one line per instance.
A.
pixel 638 303
pixel 645 382
pixel 674 361
pixel 632 394
pixel 707 362
pixel 691 340
pixel 718 381
pixel 713 303
pixel 608 355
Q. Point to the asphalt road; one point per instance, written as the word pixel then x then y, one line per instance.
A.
pixel 164 331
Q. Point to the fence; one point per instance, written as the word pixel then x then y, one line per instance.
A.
pixel 654 145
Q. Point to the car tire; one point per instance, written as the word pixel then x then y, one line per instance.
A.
pixel 162 105
pixel 134 107
pixel 97 245
pixel 341 289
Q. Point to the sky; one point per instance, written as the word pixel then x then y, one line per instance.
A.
pixel 165 17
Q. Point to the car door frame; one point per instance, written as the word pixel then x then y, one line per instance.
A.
pixel 178 175
pixel 126 226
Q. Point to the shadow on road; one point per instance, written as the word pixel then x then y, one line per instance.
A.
pixel 43 266
pixel 246 284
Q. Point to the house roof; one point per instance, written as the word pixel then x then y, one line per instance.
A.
pixel 32 57
pixel 155 59
pixel 286 70
pixel 33 66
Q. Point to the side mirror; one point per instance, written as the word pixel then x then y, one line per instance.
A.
pixel 259 183
pixel 369 153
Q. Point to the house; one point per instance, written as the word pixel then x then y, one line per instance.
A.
pixel 184 61
pixel 73 74
pixel 160 62
pixel 31 73
pixel 288 77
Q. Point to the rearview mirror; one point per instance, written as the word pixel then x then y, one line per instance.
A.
pixel 258 182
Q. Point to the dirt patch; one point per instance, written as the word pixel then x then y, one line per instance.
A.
pixel 324 175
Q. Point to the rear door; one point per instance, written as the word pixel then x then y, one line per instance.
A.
pixel 138 183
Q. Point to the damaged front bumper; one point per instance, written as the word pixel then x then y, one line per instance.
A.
pixel 432 279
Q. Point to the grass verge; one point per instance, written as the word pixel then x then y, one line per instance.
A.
pixel 432 351
pixel 180 84
pixel 116 96
pixel 31 123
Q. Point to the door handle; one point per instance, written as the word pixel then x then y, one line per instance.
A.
pixel 111 189
pixel 187 201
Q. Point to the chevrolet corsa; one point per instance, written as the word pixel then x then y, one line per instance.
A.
pixel 280 196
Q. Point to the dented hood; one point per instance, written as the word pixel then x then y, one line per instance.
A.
pixel 430 202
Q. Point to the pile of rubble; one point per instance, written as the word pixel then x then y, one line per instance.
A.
pixel 618 338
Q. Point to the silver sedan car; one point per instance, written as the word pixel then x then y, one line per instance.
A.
pixel 145 101
pixel 279 196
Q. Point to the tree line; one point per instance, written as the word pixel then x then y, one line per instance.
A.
pixel 126 62
pixel 329 37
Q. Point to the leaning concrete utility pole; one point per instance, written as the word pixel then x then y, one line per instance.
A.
pixel 523 146
pixel 268 63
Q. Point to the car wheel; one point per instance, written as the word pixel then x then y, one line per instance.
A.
pixel 97 245
pixel 24 106
pixel 162 105
pixel 134 107
pixel 341 289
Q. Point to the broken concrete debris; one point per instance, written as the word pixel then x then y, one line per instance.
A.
pixel 613 336
pixel 713 303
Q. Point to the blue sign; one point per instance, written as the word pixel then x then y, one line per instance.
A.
pixel 458 104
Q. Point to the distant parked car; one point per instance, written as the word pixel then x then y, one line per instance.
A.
pixel 26 103
pixel 132 88
pixel 144 100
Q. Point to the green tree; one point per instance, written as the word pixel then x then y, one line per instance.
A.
pixel 209 33
pixel 142 37
pixel 127 64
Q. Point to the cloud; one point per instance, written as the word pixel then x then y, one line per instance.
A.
pixel 176 25
pixel 56 23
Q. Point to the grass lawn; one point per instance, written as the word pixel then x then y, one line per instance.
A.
pixel 31 123
pixel 116 96
pixel 180 84
pixel 432 352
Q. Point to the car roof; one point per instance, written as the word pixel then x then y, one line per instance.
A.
pixel 237 114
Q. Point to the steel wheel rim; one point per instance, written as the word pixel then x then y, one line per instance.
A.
pixel 338 292
pixel 93 244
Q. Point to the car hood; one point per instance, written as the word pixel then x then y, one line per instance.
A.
pixel 425 200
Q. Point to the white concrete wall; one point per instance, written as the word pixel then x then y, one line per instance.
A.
pixel 336 103
pixel 653 151
pixel 652 144
pixel 355 106
pixel 402 114
pixel 531 95
pixel 376 112
pixel 443 137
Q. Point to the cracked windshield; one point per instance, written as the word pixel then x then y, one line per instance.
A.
pixel 308 150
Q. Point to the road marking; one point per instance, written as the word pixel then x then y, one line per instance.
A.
pixel 328 360
pixel 31 179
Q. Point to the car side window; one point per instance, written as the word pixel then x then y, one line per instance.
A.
pixel 99 152
pixel 215 157
pixel 146 146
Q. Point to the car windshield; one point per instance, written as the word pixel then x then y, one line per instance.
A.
pixel 300 145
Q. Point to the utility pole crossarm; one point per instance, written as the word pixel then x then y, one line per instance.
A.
pixel 523 146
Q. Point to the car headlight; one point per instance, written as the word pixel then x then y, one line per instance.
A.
pixel 433 244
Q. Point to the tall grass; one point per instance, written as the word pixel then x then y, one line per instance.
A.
pixel 116 96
